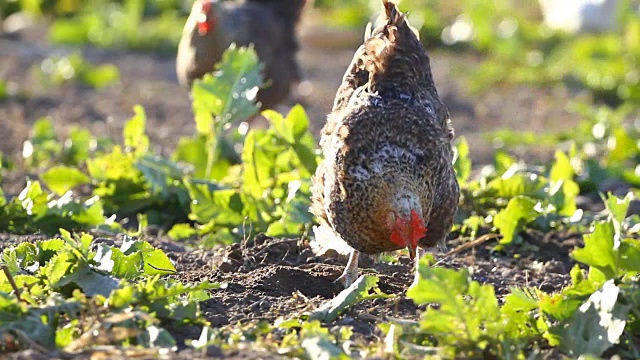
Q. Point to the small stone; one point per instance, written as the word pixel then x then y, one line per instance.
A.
pixel 214 351
pixel 235 254
pixel 265 304
pixel 378 302
pixel 225 267
pixel 260 239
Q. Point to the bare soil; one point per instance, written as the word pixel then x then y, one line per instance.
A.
pixel 269 278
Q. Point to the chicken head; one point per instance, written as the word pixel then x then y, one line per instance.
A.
pixel 406 232
pixel 206 18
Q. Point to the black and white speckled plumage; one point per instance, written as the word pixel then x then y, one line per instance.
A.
pixel 386 144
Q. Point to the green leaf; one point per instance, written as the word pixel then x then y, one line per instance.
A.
pixel 561 168
pixel 291 128
pixel 210 203
pixel 520 211
pixel 78 146
pixel 160 173
pixel 597 325
pixel 600 250
pixel 259 165
pixel 319 347
pixel 194 151
pixel 229 92
pixel 618 207
pixel 462 163
pixel 61 179
pixel 101 76
pixel 181 231
pixel 437 285
pixel 503 161
pixel 134 131
pixel 519 184
pixel 355 293
pixel 91 282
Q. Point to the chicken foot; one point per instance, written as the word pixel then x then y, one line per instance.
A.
pixel 350 273
pixel 416 274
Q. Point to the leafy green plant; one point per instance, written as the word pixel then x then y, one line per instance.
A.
pixel 469 322
pixel 227 193
pixel 60 293
pixel 133 24
pixel 589 317
pixel 59 70
pixel 511 196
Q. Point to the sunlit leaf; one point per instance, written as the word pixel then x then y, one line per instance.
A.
pixel 61 179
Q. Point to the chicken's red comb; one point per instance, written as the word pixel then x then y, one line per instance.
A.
pixel 205 24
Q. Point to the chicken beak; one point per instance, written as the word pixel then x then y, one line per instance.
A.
pixel 412 252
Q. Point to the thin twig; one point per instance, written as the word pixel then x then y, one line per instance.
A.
pixel 12 282
pixel 471 244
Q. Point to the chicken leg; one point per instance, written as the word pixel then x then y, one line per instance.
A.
pixel 350 273
pixel 416 274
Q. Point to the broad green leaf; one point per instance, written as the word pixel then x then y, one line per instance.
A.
pixel 600 250
pixel 91 282
pixel 436 285
pixel 258 173
pixel 34 200
pixel 115 165
pixel 520 211
pixel 61 179
pixel 623 147
pixel 629 255
pixel 290 128
pixel 519 184
pixel 224 206
pixel 561 168
pixel 618 207
pixel 503 161
pixel 229 92
pixel 359 290
pixel 134 132
pixel 597 325
pixel 318 347
pixel 194 151
pixel 101 76
pixel 181 231
pixel 78 146
pixel 159 172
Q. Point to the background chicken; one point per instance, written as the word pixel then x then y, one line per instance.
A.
pixel 268 24
pixel 387 180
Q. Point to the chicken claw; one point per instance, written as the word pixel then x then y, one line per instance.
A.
pixel 350 273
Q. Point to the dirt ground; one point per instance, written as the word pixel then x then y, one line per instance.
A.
pixel 272 277
pixel 269 278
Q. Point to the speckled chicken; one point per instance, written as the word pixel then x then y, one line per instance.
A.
pixel 270 25
pixel 387 180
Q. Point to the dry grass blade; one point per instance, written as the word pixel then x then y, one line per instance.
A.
pixel 12 282
pixel 471 244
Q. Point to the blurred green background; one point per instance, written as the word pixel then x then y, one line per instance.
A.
pixel 509 34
